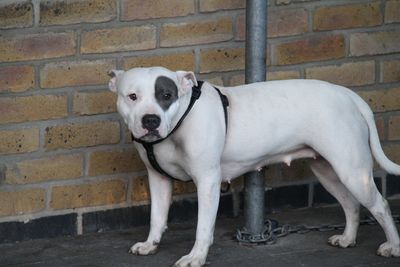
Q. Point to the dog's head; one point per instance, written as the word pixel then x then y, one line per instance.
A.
pixel 148 98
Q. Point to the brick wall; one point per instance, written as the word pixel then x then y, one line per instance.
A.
pixel 63 147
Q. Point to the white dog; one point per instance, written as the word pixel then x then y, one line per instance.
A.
pixel 265 123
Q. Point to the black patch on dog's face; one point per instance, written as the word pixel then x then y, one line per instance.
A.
pixel 166 92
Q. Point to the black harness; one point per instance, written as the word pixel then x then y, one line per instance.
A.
pixel 149 146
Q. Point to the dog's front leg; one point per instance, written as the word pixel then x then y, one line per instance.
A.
pixel 208 190
pixel 160 192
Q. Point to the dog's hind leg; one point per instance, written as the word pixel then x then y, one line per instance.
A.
pixel 358 179
pixel 329 179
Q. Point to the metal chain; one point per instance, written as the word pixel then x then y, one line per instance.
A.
pixel 273 231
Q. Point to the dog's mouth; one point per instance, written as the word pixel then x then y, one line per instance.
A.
pixel 151 136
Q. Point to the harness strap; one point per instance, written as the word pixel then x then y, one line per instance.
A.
pixel 149 146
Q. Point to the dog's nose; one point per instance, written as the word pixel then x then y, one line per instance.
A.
pixel 151 121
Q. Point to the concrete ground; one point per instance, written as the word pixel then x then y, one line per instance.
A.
pixel 110 248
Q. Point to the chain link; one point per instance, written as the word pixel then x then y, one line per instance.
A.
pixel 273 231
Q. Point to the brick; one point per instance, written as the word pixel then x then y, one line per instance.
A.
pixel 281 22
pixel 287 2
pixel 89 103
pixel 375 43
pixel 380 125
pixel 16 15
pixel 19 141
pixel 214 5
pixel 22 201
pixel 382 100
pixel 37 46
pixel 119 39
pixel 392 13
pixel 347 16
pixel 238 79
pixel 140 189
pixel 180 188
pixel 392 151
pixel 72 12
pixel 176 61
pixel 88 194
pixel 196 32
pixel 299 171
pixel 347 74
pixel 75 73
pixel 215 80
pixel 394 128
pixel 283 75
pixel 74 135
pixel 114 161
pixel 16 79
pixel 310 49
pixel 32 108
pixel 221 59
pixel 390 71
pixel 139 9
pixel 44 169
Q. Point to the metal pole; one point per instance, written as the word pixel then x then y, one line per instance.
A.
pixel 256 38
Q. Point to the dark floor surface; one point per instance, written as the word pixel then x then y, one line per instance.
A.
pixel 110 249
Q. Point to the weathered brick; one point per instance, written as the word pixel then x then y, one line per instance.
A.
pixel 88 103
pixel 214 5
pixel 176 61
pixel 19 141
pixel 392 13
pixel 375 43
pixel 114 161
pixel 298 171
pixel 32 108
pixel 287 2
pixel 119 39
pixel 44 169
pixel 347 74
pixel 380 125
pixel 392 151
pixel 222 59
pixel 75 73
pixel 37 46
pixel 215 80
pixel 82 134
pixel 140 189
pixel 16 78
pixel 139 9
pixel 281 22
pixel 390 71
pixel 283 75
pixel 22 201
pixel 180 188
pixel 88 194
pixel 347 16
pixel 394 128
pixel 16 15
pixel 310 49
pixel 71 12
pixel 382 100
pixel 196 32
pixel 239 79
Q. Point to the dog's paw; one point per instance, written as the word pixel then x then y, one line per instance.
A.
pixel 341 241
pixel 388 250
pixel 143 248
pixel 190 261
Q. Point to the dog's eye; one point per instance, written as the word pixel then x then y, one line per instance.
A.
pixel 132 97
pixel 167 96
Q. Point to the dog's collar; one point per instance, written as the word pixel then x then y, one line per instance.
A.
pixel 149 146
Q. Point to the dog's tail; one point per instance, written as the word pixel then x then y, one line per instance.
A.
pixel 374 142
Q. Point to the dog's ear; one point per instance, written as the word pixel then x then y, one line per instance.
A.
pixel 115 76
pixel 186 80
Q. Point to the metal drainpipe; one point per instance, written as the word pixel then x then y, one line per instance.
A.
pixel 256 38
